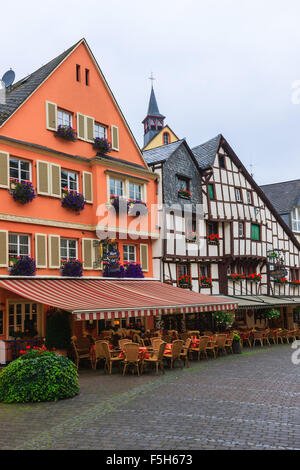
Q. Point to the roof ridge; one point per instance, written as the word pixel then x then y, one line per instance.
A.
pixel 280 182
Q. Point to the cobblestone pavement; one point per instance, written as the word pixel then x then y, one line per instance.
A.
pixel 248 401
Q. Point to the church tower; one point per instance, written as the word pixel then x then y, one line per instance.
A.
pixel 154 121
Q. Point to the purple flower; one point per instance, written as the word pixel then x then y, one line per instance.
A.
pixel 23 192
pixel 72 200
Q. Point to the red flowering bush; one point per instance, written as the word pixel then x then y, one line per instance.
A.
pixel 185 281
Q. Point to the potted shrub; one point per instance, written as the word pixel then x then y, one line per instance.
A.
pixel 101 144
pixel 23 266
pixel 223 319
pixel 71 268
pixel 58 331
pixel 236 344
pixel 38 375
pixel 272 314
pixel 22 191
pixel 135 207
pixel 72 200
pixel 66 132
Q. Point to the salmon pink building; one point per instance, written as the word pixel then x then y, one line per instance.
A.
pixel 67 160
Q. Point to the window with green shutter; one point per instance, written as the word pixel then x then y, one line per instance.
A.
pixel 211 191
pixel 255 232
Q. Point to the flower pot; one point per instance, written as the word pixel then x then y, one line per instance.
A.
pixel 236 347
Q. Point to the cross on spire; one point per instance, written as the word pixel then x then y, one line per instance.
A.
pixel 152 79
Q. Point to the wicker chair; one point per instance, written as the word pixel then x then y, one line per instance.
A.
pixel 200 348
pixel 258 336
pixel 155 343
pixel 283 334
pixel 175 353
pixel 220 343
pixel 98 353
pixel 131 351
pixel 212 346
pixel 194 333
pixel 109 359
pixel 156 358
pixel 124 341
pixel 185 353
pixel 292 335
pixel 81 348
pixel 183 336
pixel 228 342
pixel 246 338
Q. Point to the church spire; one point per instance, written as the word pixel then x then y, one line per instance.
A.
pixel 154 121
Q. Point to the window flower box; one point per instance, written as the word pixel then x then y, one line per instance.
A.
pixel 283 281
pixel 236 276
pixel 72 268
pixel 117 201
pixel 72 200
pixel 184 193
pixel 136 207
pixel 23 266
pixel 22 191
pixel 66 132
pixel 192 237
pixel 254 277
pixel 296 282
pixel 213 239
pixel 185 282
pixel 205 281
pixel 133 270
pixel 101 144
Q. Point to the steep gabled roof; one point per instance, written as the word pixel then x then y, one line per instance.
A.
pixel 205 153
pixel 284 196
pixel 153 108
pixel 22 89
pixel 162 153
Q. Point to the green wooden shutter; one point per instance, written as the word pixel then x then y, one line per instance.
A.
pixel 211 191
pixel 4 170
pixel 255 232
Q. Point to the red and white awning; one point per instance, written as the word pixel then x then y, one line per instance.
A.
pixel 96 299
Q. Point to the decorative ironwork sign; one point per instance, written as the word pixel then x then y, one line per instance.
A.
pixel 278 273
pixel 110 255
pixel 276 260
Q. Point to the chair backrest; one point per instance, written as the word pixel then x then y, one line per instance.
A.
pixel 136 338
pixel 124 341
pixel 81 345
pixel 106 350
pixel 161 351
pixel 203 342
pixel 221 340
pixel 131 351
pixel 187 343
pixel 257 335
pixel 194 333
pixel 99 350
pixel 177 348
pixel 156 343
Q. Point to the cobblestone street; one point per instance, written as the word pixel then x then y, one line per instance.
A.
pixel 248 401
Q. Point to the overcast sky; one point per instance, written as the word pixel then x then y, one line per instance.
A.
pixel 221 66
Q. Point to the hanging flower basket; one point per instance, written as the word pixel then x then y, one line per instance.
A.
pixel 192 237
pixel 72 200
pixel 22 191
pixel 223 318
pixel 72 268
pixel 135 207
pixel 185 282
pixel 236 277
pixel 184 193
pixel 254 277
pixel 66 132
pixel 133 270
pixel 213 239
pixel 206 281
pixel 102 145
pixel 23 266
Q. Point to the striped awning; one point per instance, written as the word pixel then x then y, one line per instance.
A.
pixel 95 299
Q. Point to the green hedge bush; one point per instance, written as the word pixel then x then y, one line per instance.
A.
pixel 38 375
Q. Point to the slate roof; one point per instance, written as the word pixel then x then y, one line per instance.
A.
pixel 153 108
pixel 162 153
pixel 22 89
pixel 205 153
pixel 284 196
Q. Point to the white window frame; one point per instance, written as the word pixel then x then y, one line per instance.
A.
pixel 127 252
pixel 123 186
pixel 19 160
pixel 68 180
pixel 241 233
pixel 238 195
pixel 296 219
pixel 97 125
pixel 135 185
pixel 64 113
pixel 62 239
pixel 18 235
pixel 23 314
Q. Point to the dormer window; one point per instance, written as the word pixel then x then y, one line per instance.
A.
pixel 166 138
